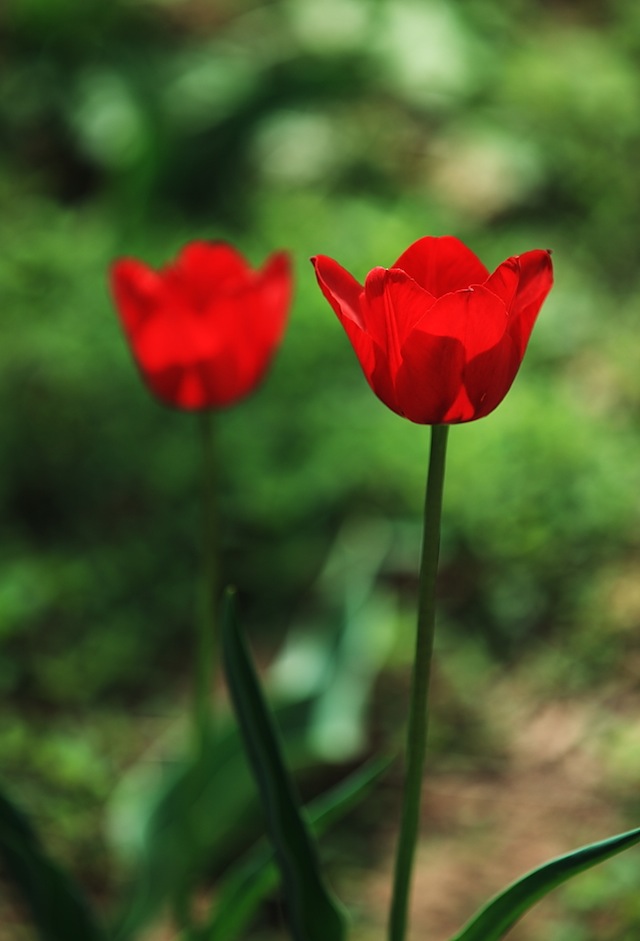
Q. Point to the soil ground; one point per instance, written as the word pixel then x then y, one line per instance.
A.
pixel 553 791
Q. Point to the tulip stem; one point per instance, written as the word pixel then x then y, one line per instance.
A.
pixel 206 646
pixel 419 704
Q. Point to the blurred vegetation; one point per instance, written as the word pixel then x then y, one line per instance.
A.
pixel 349 128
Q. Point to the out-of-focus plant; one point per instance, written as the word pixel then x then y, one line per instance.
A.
pixel 344 133
pixel 202 331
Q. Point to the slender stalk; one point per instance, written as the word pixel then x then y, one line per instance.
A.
pixel 419 704
pixel 207 643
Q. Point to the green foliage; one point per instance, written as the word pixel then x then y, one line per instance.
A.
pixel 497 918
pixel 55 903
pixel 552 505
pixel 312 910
pixel 252 877
pixel 130 127
pixel 78 503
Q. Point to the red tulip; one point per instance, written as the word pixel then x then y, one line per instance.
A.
pixel 204 328
pixel 439 339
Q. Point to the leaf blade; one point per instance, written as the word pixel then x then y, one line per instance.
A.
pixel 256 874
pixel 194 818
pixel 56 904
pixel 314 913
pixel 498 916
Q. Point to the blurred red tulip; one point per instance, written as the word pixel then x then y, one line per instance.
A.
pixel 439 339
pixel 204 328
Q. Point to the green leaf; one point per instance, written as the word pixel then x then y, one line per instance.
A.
pixel 196 820
pixel 313 912
pixel 256 874
pixel 500 914
pixel 56 904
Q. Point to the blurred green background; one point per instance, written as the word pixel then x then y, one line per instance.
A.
pixel 348 128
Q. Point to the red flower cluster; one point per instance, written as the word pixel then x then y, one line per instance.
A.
pixel 203 330
pixel 439 339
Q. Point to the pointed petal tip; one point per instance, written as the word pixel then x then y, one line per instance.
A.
pixel 131 281
pixel 323 261
pixel 279 263
pixel 120 267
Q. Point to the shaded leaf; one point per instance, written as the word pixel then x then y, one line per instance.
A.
pixel 58 908
pixel 207 807
pixel 256 874
pixel 313 912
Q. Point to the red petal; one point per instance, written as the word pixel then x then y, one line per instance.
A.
pixel 346 297
pixel 523 282
pixel 504 281
pixel 188 388
pixel 442 265
pixel 472 326
pixel 340 288
pixel 488 378
pixel 273 289
pixel 210 267
pixel 165 385
pixel 536 280
pixel 394 303
pixel 223 380
pixel 475 317
pixel 198 385
pixel 174 336
pixel 204 271
pixel 193 393
pixel 256 325
pixel 430 378
pixel 136 290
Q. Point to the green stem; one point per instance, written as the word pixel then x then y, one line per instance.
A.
pixel 207 643
pixel 419 706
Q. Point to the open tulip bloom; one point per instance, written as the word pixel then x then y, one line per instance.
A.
pixel 439 339
pixel 203 329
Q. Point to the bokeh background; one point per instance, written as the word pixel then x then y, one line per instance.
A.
pixel 348 128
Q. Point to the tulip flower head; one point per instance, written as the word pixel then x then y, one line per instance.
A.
pixel 439 339
pixel 204 328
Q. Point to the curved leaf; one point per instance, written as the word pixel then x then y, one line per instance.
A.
pixel 500 914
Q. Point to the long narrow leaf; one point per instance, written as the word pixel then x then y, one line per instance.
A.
pixel 195 820
pixel 58 909
pixel 314 913
pixel 493 921
pixel 256 874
